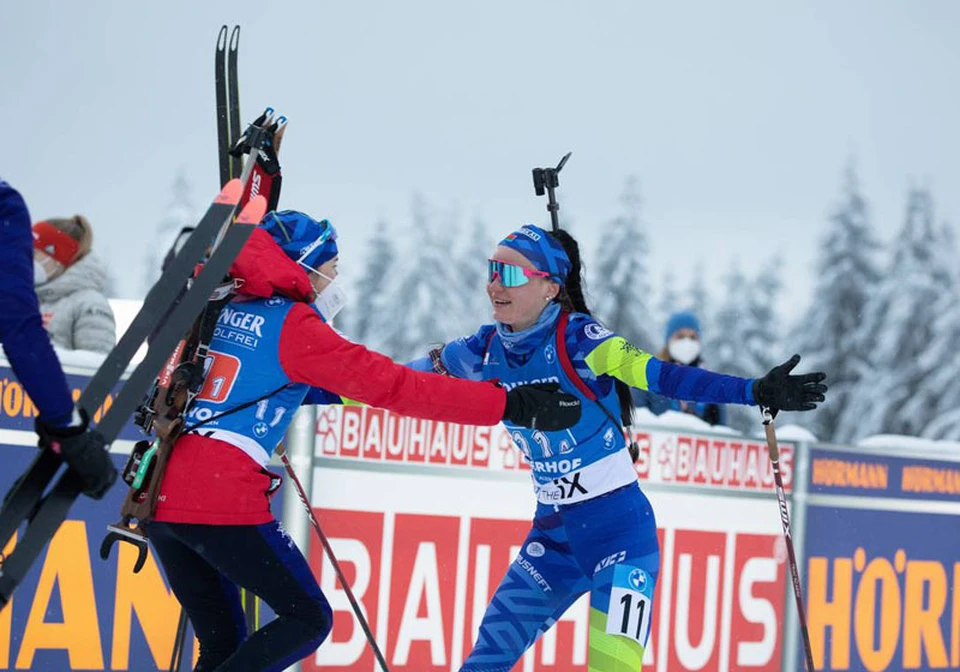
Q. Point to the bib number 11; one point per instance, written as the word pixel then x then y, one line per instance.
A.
pixel 629 614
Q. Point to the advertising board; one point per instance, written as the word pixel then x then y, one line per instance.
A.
pixel 883 561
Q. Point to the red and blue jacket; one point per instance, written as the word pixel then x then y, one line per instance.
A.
pixel 271 338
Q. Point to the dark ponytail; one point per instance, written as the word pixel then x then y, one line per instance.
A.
pixel 572 300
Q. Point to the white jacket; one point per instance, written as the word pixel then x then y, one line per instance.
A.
pixel 75 308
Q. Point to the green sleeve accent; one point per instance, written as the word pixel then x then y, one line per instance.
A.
pixel 351 402
pixel 618 358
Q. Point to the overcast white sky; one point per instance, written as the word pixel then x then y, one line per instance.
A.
pixel 737 117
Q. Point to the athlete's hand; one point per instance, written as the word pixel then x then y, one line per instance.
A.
pixel 542 406
pixel 781 390
pixel 84 450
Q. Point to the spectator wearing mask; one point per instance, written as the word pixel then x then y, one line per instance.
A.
pixel 70 283
pixel 682 345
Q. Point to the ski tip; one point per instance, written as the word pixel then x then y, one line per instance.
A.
pixel 253 211
pixel 231 192
pixel 222 39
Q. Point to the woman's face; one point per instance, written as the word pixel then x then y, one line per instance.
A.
pixel 328 268
pixel 519 307
pixel 684 333
pixel 51 267
pixel 684 346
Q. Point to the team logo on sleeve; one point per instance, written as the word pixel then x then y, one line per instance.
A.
pixel 535 549
pixel 596 331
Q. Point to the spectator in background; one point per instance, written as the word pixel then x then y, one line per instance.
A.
pixel 682 346
pixel 71 282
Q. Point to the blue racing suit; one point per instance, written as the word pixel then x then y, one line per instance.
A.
pixel 594 530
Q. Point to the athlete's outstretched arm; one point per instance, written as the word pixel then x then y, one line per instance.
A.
pixel 313 353
pixel 619 358
pixel 778 389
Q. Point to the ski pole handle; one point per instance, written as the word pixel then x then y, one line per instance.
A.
pixel 771 433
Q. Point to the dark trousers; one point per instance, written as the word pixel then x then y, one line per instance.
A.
pixel 205 564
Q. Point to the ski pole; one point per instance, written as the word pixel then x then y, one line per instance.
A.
pixel 179 642
pixel 281 451
pixel 774 451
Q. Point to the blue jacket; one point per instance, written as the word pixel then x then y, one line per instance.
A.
pixel 24 339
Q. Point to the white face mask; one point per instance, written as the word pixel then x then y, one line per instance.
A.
pixel 331 300
pixel 39 273
pixel 684 350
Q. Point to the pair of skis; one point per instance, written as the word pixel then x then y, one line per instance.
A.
pixel 228 102
pixel 26 502
pixel 227 84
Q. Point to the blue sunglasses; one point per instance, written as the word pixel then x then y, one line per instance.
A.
pixel 511 275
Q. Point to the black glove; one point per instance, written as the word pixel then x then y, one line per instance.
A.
pixel 84 450
pixel 542 406
pixel 779 390
pixel 273 128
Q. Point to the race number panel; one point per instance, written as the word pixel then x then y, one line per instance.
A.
pixel 631 604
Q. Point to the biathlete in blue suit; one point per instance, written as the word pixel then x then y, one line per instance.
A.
pixel 62 426
pixel 594 530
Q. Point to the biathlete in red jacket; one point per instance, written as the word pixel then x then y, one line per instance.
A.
pixel 273 351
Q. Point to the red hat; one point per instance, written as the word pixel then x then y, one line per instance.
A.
pixel 65 240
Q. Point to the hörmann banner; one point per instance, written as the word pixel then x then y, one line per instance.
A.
pixel 883 561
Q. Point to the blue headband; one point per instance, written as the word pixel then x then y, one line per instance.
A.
pixel 543 250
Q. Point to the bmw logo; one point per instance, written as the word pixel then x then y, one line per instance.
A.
pixel 637 579
pixel 260 429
